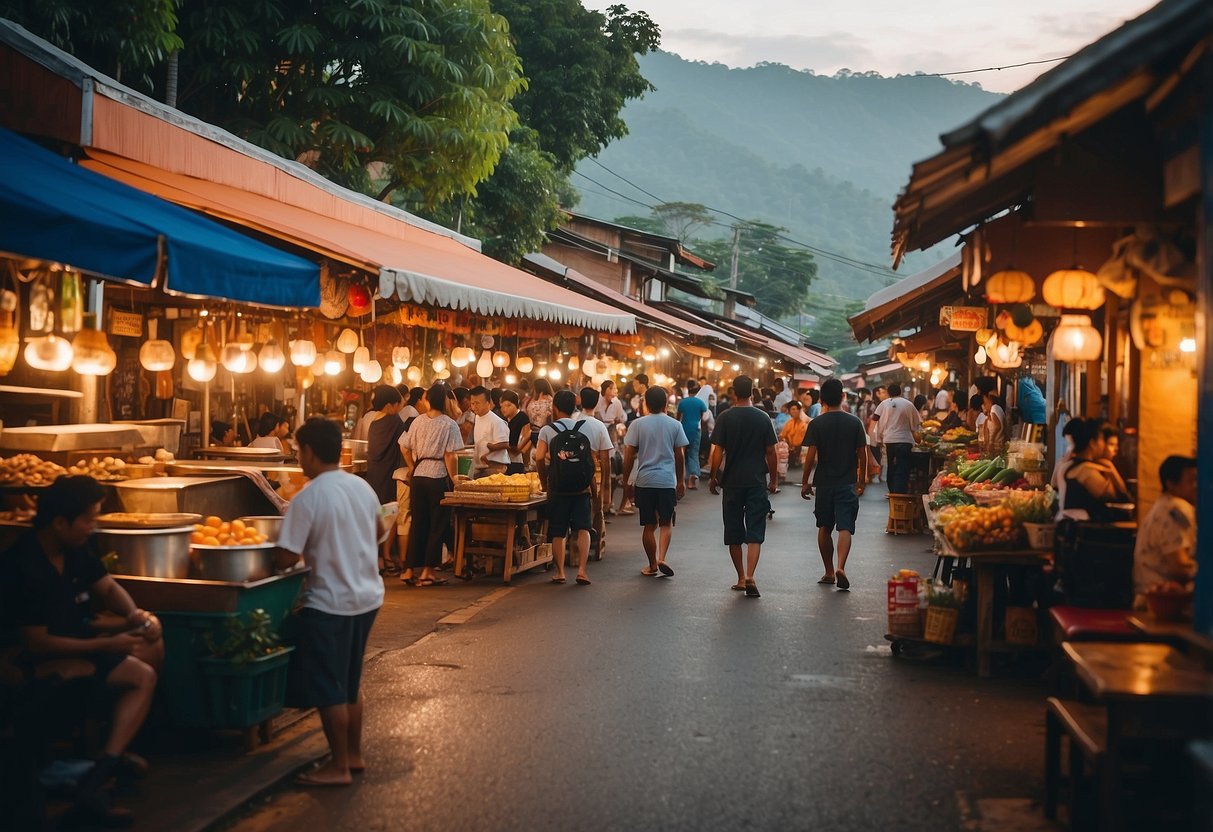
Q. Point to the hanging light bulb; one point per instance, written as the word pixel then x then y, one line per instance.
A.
pixel 525 364
pixel 50 353
pixel 303 353
pixel 394 376
pixel 980 357
pixel 347 341
pixel 233 357
pixel 271 359
pixel 157 355
pixel 484 367
pixel 1187 345
pixel 554 374
pixel 511 379
pixel 362 357
pixel 91 353
pixel 649 353
pixel 1076 340
pixel 413 374
pixel 401 356
pixel 501 359
pixel 439 364
pixel 736 368
pixel 665 352
pixel 574 363
pixel 203 366
pixel 334 362
pixel 371 372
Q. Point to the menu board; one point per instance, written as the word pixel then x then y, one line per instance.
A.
pixel 124 384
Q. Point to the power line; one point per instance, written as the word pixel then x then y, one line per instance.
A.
pixel 989 68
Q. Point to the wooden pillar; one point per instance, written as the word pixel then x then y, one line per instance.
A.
pixel 1204 353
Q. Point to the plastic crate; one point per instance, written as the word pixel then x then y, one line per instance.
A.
pixel 243 695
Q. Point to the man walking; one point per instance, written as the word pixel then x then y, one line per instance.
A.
pixel 334 523
pixel 837 445
pixel 656 444
pixel 744 443
pixel 566 455
pixel 897 420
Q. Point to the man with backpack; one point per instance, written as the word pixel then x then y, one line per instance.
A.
pixel 566 456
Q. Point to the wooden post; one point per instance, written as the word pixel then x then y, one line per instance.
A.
pixel 1204 351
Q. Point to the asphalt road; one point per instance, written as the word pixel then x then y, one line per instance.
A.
pixel 677 704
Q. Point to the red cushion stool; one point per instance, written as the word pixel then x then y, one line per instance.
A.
pixel 1083 624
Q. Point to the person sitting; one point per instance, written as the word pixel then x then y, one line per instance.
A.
pixel 53 581
pixel 271 429
pixel 1091 482
pixel 1166 538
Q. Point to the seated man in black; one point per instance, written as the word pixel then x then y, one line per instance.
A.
pixel 55 582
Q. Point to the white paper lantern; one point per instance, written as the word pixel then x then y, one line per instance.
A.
pixel 439 363
pixel 303 353
pixel 413 374
pixel 484 367
pixel 525 364
pixel 372 372
pixel 501 359
pixel 362 357
pixel 203 366
pixel 157 355
pixel 347 341
pixel 334 363
pixel 401 356
pixel 50 353
pixel 91 353
pixel 1077 340
pixel 271 359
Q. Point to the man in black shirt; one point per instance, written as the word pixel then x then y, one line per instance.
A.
pixel 519 425
pixel 837 445
pixel 744 441
pixel 53 581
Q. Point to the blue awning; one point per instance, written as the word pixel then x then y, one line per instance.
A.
pixel 52 209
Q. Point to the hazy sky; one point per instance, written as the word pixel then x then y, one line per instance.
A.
pixel 889 37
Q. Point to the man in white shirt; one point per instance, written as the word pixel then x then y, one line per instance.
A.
pixel 943 404
pixel 783 394
pixel 610 412
pixel 897 424
pixel 1166 540
pixel 491 434
pixel 334 524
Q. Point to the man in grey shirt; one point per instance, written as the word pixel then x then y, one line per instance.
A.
pixel 655 445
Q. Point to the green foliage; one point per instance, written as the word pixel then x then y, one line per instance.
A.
pixel 243 639
pixel 419 87
pixel 123 38
pixel 683 220
pixel 582 68
pixel 776 274
pixel 650 223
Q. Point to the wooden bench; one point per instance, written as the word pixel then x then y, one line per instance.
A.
pixel 1086 726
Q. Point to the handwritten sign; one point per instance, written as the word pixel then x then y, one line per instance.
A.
pixel 128 324
pixel 964 318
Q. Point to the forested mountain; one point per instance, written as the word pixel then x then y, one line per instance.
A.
pixel 821 156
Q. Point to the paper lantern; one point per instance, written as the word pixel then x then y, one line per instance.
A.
pixel 511 379
pixel 574 363
pixel 413 374
pixel 317 368
pixel 371 372
pixel 233 358
pixel 303 353
pixel 980 357
pixel 649 353
pixel 525 364
pixel 91 354
pixel 203 366
pixel 1077 340
pixel 362 357
pixel 360 299
pixel 1010 286
pixel 305 377
pixel 443 375
pixel 484 367
pixel 1073 289
pixel 157 355
pixel 347 341
pixel 439 364
pixel 554 374
pixel 334 362
pixel 50 353
pixel 401 356
pixel 664 352
pixel 462 356
pixel 501 359
pixel 1026 335
pixel 271 359
pixel 1006 356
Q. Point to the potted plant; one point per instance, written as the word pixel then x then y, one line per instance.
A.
pixel 245 672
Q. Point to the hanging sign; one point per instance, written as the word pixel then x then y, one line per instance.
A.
pixel 128 324
pixel 964 318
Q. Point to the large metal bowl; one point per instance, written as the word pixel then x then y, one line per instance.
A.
pixel 149 553
pixel 234 563
pixel 269 525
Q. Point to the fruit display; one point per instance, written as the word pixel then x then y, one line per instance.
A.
pixel 958 436
pixel 106 469
pixel 931 424
pixel 29 471
pixel 951 497
pixel 980 527
pixel 1033 506
pixel 518 487
pixel 215 531
pixel 951 481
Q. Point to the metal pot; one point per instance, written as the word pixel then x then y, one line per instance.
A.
pixel 235 563
pixel 149 553
pixel 269 525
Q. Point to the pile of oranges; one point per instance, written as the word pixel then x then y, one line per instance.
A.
pixel 218 532
pixel 978 527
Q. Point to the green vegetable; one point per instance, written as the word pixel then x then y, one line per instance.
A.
pixel 1007 476
pixel 951 497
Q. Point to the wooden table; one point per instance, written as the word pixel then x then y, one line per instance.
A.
pixel 1181 634
pixel 515 520
pixel 1152 691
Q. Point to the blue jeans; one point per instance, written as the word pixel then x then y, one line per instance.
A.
pixel 899 466
pixel 691 451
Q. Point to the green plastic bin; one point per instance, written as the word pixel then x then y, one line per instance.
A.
pixel 243 695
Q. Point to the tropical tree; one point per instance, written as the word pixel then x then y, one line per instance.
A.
pixel 682 220
pixel 776 274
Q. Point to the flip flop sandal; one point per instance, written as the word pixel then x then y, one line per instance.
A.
pixel 557 580
pixel 843 583
pixel 308 780
pixel 665 569
pixel 738 587
pixel 583 582
pixel 649 574
pixel 751 590
pixel 826 579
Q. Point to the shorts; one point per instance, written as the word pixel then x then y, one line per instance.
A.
pixel 104 664
pixel 326 668
pixel 568 512
pixel 745 514
pixel 656 505
pixel 404 514
pixel 836 507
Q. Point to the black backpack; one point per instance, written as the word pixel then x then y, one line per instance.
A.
pixel 571 460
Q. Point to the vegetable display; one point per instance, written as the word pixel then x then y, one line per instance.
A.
pixel 980 527
pixel 951 497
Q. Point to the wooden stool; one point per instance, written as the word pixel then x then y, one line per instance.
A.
pixel 1086 726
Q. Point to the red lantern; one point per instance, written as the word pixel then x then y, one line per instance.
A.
pixel 360 299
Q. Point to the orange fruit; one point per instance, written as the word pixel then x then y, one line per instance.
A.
pixel 226 528
pixel 214 521
pixel 197 537
pixel 223 538
pixel 198 527
pixel 210 540
pixel 238 526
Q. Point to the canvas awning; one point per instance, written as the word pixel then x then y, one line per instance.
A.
pixel 902 305
pixel 413 264
pixel 53 209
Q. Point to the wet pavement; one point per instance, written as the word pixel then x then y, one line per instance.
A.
pixel 675 703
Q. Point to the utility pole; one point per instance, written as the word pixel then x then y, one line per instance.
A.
pixel 736 255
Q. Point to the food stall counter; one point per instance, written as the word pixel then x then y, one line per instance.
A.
pixel 225 496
